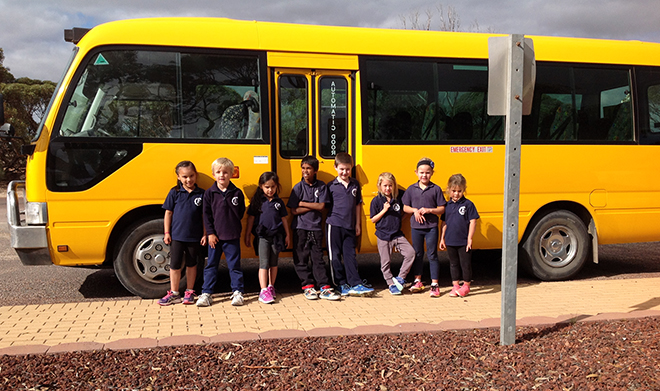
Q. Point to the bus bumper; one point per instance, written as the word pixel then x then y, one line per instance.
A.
pixel 29 241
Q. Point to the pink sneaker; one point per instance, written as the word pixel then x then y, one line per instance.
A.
pixel 435 291
pixel 189 297
pixel 465 289
pixel 418 286
pixel 454 291
pixel 271 289
pixel 266 297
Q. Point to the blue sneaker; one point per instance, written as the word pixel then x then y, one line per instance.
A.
pixel 399 283
pixel 395 290
pixel 361 290
pixel 344 289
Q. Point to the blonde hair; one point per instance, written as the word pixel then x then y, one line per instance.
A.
pixel 223 162
pixel 388 176
pixel 456 180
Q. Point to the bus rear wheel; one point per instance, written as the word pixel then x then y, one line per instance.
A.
pixel 557 247
pixel 143 261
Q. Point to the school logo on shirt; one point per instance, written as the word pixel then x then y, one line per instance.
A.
pixel 396 207
pixel 316 193
pixel 234 201
pixel 277 206
pixel 354 192
pixel 198 201
pixel 461 211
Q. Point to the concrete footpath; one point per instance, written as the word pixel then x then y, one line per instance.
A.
pixel 133 323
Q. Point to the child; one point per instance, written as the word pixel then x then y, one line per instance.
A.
pixel 271 232
pixel 458 225
pixel 344 226
pixel 426 202
pixel 307 200
pixel 224 206
pixel 386 210
pixel 184 231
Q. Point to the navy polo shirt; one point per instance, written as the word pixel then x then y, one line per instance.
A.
pixel 343 201
pixel 389 226
pixel 187 224
pixel 304 192
pixel 223 211
pixel 431 197
pixel 271 213
pixel 457 216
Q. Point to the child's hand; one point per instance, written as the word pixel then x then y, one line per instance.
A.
pixel 469 245
pixel 203 241
pixel 213 240
pixel 287 241
pixel 248 240
pixel 419 216
pixel 168 238
pixel 442 245
pixel 386 206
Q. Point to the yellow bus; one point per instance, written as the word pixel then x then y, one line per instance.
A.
pixel 141 95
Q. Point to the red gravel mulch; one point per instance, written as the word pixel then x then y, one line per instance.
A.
pixel 612 355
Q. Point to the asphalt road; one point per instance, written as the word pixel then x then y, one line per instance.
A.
pixel 25 285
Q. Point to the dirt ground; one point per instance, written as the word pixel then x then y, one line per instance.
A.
pixel 606 355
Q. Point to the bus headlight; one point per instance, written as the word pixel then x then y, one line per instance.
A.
pixel 36 213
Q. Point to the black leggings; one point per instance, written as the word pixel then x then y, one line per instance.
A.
pixel 183 250
pixel 460 261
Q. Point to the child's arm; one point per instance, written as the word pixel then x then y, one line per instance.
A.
pixel 471 229
pixel 204 239
pixel 304 207
pixel 419 216
pixel 168 226
pixel 287 229
pixel 358 220
pixel 376 218
pixel 248 231
pixel 443 230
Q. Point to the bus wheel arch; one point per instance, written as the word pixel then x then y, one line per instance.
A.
pixel 557 241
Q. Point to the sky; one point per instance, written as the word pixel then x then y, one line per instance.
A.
pixel 31 31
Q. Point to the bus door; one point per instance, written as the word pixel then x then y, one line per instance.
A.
pixel 313 117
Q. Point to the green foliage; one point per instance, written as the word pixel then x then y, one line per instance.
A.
pixel 25 101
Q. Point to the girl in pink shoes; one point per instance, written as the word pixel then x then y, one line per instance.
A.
pixel 184 232
pixel 458 225
pixel 267 222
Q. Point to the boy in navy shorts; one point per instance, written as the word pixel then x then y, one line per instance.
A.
pixel 307 200
pixel 344 226
pixel 224 206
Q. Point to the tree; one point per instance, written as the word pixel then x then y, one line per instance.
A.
pixel 25 101
pixel 449 20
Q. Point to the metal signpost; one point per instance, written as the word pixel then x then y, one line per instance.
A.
pixel 510 89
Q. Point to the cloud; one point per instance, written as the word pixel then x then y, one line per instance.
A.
pixel 31 32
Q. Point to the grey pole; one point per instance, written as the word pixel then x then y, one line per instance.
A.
pixel 513 130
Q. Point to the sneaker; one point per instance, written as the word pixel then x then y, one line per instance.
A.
pixel 170 298
pixel 465 289
pixel 418 286
pixel 344 289
pixel 271 289
pixel 236 298
pixel 189 297
pixel 264 297
pixel 398 282
pixel 311 294
pixel 361 290
pixel 395 290
pixel 204 300
pixel 435 291
pixel 454 291
pixel 329 294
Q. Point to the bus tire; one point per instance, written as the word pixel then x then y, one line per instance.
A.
pixel 557 247
pixel 143 261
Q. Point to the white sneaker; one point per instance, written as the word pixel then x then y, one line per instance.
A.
pixel 237 298
pixel 204 300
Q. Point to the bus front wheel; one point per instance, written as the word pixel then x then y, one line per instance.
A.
pixel 557 247
pixel 143 261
